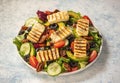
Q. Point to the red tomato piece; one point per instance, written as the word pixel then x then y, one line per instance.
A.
pixel 33 61
pixel 93 55
pixel 74 68
pixel 59 44
pixel 72 46
pixel 86 17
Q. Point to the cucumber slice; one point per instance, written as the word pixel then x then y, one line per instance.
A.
pixel 25 49
pixel 31 21
pixel 54 69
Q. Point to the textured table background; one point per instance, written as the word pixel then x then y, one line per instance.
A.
pixel 105 14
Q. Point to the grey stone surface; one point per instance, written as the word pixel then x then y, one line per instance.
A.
pixel 105 15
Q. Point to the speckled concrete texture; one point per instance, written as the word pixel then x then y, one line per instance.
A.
pixel 105 15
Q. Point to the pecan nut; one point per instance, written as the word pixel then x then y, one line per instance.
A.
pixel 39 67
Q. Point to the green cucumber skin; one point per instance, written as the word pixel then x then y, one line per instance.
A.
pixel 29 23
pixel 22 52
pixel 53 72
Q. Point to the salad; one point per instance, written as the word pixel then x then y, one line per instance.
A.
pixel 58 41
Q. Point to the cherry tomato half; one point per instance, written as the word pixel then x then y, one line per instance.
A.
pixel 72 46
pixel 59 44
pixel 93 55
pixel 86 17
pixel 33 61
pixel 74 68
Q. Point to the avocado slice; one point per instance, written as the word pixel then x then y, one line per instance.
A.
pixel 32 50
pixel 71 56
pixel 74 14
pixel 75 33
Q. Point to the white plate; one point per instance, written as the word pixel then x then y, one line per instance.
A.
pixel 68 73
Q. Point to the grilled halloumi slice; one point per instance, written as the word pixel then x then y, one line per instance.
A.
pixel 57 53
pixel 47 55
pixel 82 27
pixel 57 17
pixel 60 34
pixel 38 57
pixel 80 47
pixel 35 33
pixel 50 55
pixel 42 55
pixel 54 53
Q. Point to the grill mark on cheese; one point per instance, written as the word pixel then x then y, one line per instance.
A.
pixel 63 32
pixel 54 17
pixel 82 27
pixel 78 54
pixel 80 47
pixel 46 55
pixel 57 17
pixel 60 34
pixel 53 52
pixel 81 24
pixel 29 38
pixel 50 54
pixel 67 31
pixel 80 43
pixel 35 33
pixel 84 21
pixel 80 51
pixel 32 37
pixel 57 53
pixel 36 30
pixel 42 55
pixel 38 54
